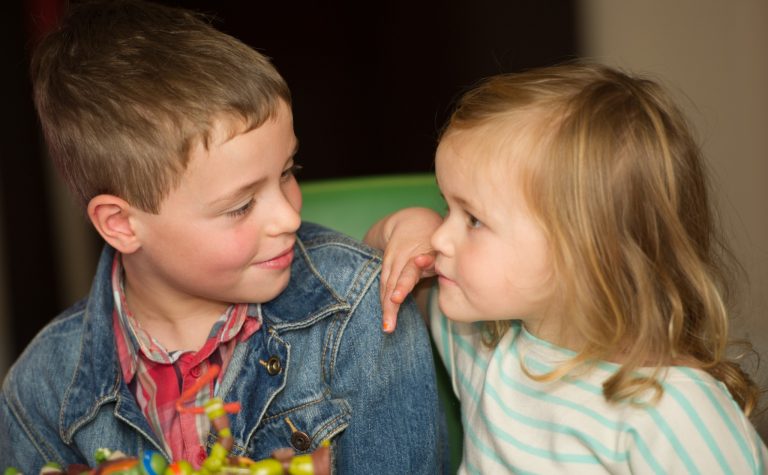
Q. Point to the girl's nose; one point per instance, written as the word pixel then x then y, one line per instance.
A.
pixel 441 241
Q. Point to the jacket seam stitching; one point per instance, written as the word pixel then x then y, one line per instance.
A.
pixel 33 437
pixel 353 308
pixel 296 408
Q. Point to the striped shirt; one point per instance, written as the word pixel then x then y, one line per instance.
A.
pixel 157 377
pixel 513 424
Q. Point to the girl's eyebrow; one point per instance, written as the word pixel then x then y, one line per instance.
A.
pixel 458 199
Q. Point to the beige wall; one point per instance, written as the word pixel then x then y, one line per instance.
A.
pixel 715 55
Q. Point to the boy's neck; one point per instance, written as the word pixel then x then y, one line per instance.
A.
pixel 177 321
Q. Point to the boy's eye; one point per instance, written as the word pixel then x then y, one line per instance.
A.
pixel 241 211
pixel 290 171
pixel 473 222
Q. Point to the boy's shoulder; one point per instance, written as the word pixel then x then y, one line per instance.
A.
pixel 315 237
pixel 336 258
pixel 330 272
pixel 57 342
pixel 48 363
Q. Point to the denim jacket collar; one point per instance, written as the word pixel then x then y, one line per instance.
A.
pixel 305 300
pixel 97 380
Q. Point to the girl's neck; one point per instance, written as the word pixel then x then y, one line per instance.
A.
pixel 550 330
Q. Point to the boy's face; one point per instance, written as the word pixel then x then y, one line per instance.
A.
pixel 492 255
pixel 226 233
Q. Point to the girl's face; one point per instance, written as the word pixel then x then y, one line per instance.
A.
pixel 493 258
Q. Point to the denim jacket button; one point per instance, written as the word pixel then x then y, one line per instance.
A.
pixel 273 366
pixel 300 440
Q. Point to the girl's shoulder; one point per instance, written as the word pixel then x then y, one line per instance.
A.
pixel 698 424
pixel 694 398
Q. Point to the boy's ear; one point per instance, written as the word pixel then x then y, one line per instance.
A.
pixel 112 218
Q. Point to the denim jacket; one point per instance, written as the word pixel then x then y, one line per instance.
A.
pixel 320 368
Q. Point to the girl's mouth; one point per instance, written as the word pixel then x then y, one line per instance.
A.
pixel 442 279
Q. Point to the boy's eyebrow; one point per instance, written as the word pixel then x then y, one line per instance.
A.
pixel 230 198
pixel 249 188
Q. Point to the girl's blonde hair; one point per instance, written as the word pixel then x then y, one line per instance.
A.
pixel 617 183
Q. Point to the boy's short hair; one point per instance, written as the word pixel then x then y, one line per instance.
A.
pixel 124 89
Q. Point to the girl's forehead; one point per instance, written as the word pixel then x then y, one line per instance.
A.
pixel 490 165
pixel 474 172
pixel 490 150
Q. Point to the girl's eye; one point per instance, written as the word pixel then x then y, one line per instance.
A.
pixel 290 171
pixel 473 222
pixel 241 211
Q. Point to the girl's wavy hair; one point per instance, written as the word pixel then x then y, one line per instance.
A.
pixel 125 89
pixel 618 185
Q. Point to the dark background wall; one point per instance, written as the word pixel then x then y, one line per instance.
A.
pixel 372 83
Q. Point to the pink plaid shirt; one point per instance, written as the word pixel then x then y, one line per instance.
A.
pixel 157 377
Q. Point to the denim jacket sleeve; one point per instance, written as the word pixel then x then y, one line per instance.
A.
pixel 395 413
pixel 31 392
pixel 17 448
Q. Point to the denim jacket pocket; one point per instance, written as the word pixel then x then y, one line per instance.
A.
pixel 302 428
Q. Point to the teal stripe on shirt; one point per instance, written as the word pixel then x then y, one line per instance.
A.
pixel 475 397
pixel 446 343
pixel 590 441
pixel 702 428
pixel 487 451
pixel 596 416
pixel 728 421
pixel 466 347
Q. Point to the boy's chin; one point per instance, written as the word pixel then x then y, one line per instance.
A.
pixel 271 290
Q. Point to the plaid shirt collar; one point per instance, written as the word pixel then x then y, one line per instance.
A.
pixel 132 340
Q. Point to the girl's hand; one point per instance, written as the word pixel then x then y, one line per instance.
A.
pixel 408 256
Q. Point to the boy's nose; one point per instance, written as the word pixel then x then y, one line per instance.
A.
pixel 285 216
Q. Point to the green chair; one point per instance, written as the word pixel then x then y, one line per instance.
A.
pixel 352 205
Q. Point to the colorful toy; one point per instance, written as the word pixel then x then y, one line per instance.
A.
pixel 219 462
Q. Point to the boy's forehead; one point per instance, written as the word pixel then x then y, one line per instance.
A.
pixel 226 126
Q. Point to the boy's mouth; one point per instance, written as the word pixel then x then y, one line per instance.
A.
pixel 280 261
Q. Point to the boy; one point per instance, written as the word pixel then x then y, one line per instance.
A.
pixel 178 140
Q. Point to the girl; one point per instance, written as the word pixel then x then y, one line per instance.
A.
pixel 582 280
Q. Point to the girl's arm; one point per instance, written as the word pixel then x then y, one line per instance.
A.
pixel 408 257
